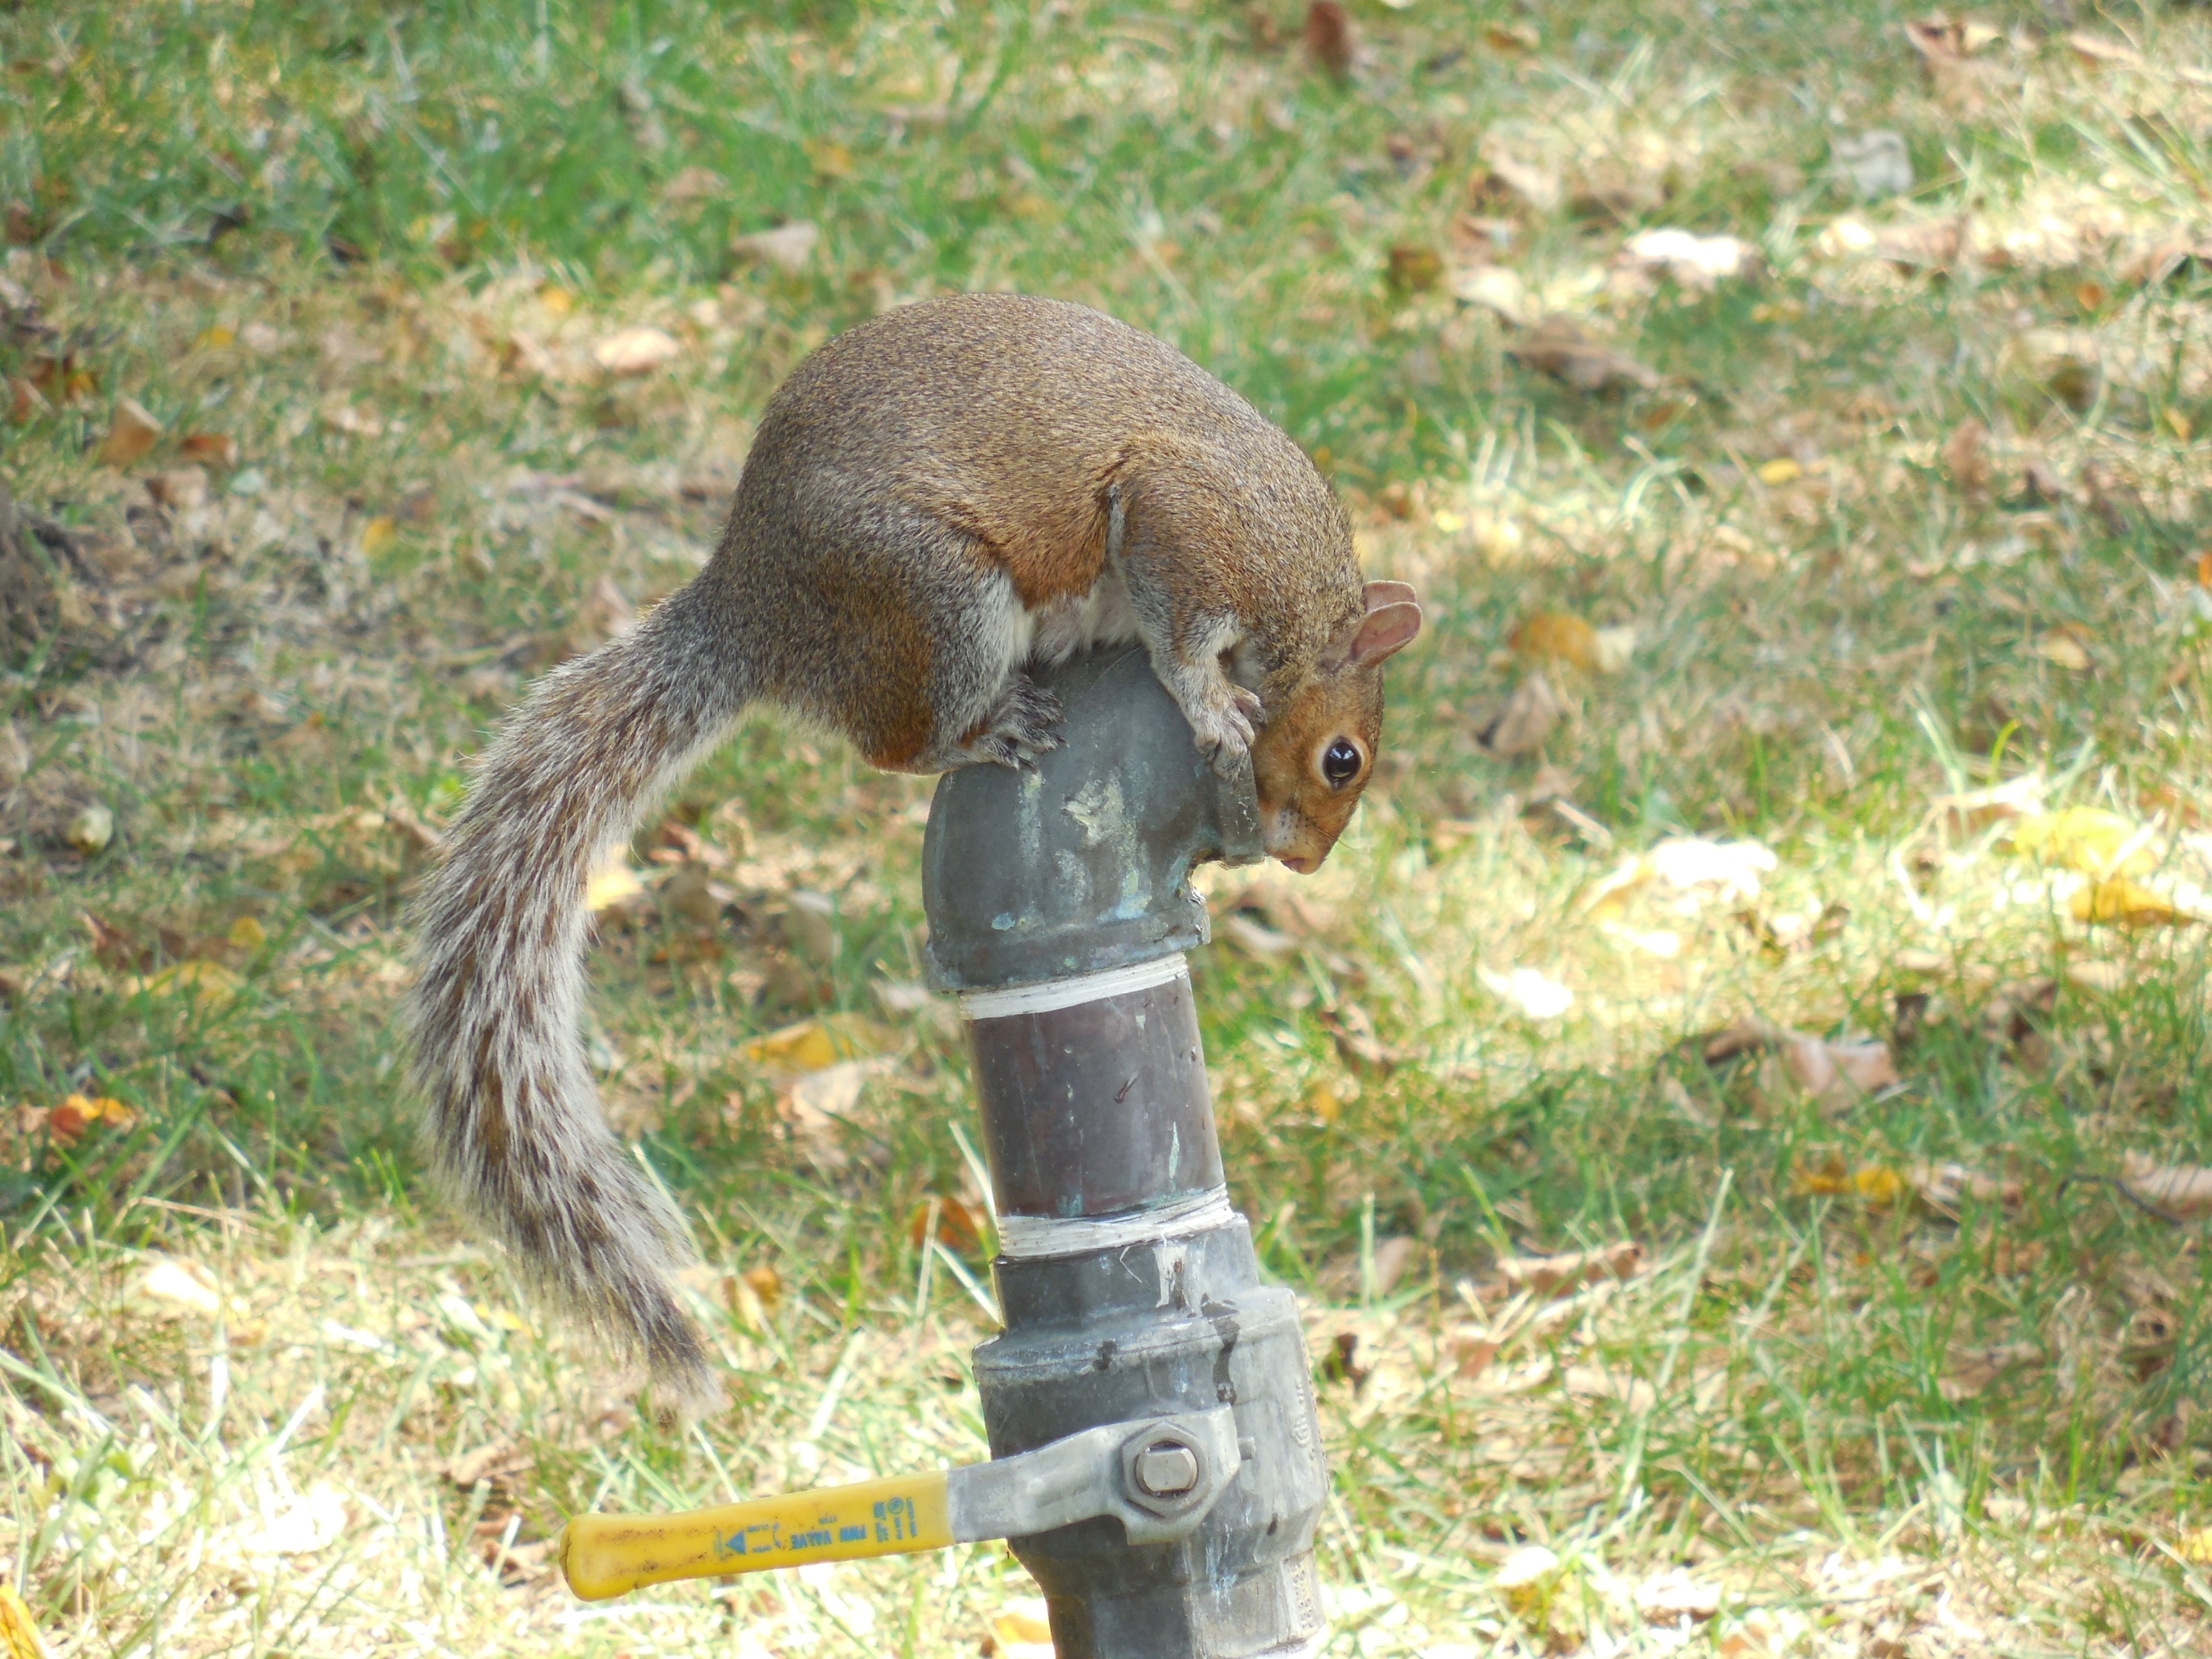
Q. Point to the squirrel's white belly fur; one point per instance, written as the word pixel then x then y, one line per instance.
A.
pixel 1058 630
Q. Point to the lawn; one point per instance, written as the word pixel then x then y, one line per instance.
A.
pixel 1734 1107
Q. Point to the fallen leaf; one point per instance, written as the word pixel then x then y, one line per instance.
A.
pixel 377 533
pixel 1525 720
pixel 1329 41
pixel 1022 1630
pixel 957 1224
pixel 1693 261
pixel 694 184
pixel 19 1636
pixel 764 1282
pixel 1877 163
pixel 1495 288
pixel 2065 645
pixel 1614 647
pixel 1520 184
pixel 314 1520
pixel 91 830
pixel 2195 1547
pixel 1783 469
pixel 1732 868
pixel 635 350
pixel 1967 458
pixel 1838 1074
pixel 131 433
pixel 818 1103
pixel 1674 1595
pixel 2098 52
pixel 1557 347
pixel 2117 900
pixel 1512 40
pixel 1534 993
pixel 1977 808
pixel 1554 1275
pixel 2178 1189
pixel 1556 634
pixel 787 247
pixel 831 159
pixel 214 449
pixel 1415 269
pixel 181 1285
pixel 612 885
pixel 2087 839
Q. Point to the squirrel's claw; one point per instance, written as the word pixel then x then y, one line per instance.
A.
pixel 1224 730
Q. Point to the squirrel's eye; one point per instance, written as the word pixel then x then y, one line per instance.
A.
pixel 1340 763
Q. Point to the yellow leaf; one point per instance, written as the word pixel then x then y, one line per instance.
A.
pixel 2195 1547
pixel 1879 1185
pixel 806 1046
pixel 831 159
pixel 19 1636
pixel 210 339
pixel 248 934
pixel 611 886
pixel 377 531
pixel 556 299
pixel 1780 471
pixel 1558 634
pixel 2063 646
pixel 2084 838
pixel 1447 521
pixel 1022 1628
pixel 2179 422
pixel 197 978
pixel 2116 899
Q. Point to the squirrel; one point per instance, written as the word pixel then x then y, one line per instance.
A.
pixel 933 501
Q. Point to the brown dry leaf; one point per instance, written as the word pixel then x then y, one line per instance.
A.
pixel 1415 268
pixel 1557 634
pixel 2098 51
pixel 1943 1187
pixel 636 350
pixel 1511 39
pixel 2130 904
pixel 958 1223
pixel 2067 645
pixel 131 433
pixel 2178 1189
pixel 216 449
pixel 818 1104
pixel 1552 1275
pixel 1966 457
pixel 787 247
pixel 694 184
pixel 1518 184
pixel 1329 41
pixel 1838 1074
pixel 1557 347
pixel 1527 719
pixel 181 490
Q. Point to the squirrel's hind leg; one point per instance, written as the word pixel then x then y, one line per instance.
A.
pixel 1023 724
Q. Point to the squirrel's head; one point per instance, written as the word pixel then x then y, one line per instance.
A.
pixel 1314 756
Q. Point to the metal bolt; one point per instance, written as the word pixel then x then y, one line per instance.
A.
pixel 1166 1469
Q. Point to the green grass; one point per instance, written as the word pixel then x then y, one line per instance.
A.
pixel 372 247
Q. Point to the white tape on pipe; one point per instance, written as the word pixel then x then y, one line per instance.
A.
pixel 1048 995
pixel 1032 1237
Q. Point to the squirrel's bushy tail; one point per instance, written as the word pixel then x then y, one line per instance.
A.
pixel 514 1126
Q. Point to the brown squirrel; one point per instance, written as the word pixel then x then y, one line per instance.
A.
pixel 934 500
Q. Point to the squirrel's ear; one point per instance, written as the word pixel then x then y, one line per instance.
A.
pixel 1378 594
pixel 1389 627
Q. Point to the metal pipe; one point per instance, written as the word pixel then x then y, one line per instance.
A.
pixel 1059 909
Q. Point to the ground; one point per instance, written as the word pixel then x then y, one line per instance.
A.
pixel 1734 1105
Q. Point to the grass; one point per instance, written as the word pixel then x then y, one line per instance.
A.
pixel 1867 1407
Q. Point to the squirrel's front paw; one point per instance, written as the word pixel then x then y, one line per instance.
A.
pixel 1224 727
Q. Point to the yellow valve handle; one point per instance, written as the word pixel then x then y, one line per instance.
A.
pixel 604 1555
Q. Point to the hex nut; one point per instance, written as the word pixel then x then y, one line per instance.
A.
pixel 1166 1470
